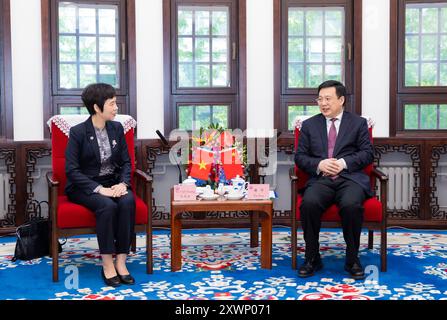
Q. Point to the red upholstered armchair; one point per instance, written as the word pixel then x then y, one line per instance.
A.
pixel 375 209
pixel 69 219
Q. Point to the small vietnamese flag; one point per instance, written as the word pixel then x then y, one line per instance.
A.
pixel 201 164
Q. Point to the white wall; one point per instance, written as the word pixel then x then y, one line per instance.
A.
pixel 260 95
pixel 27 66
pixel 376 61
pixel 26 51
pixel 149 35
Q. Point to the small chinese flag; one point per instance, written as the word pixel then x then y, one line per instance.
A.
pixel 231 163
pixel 226 140
pixel 201 164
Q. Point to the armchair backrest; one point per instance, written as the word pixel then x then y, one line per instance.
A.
pixel 303 176
pixel 60 128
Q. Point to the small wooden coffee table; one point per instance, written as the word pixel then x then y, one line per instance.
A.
pixel 265 207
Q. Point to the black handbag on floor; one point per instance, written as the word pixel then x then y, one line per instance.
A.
pixel 33 239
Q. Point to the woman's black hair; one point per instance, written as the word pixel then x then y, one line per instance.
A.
pixel 97 93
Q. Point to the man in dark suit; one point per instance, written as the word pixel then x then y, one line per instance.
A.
pixel 98 172
pixel 334 147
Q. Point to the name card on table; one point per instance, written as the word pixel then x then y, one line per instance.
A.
pixel 184 192
pixel 258 191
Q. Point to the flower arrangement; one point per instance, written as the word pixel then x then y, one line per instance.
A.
pixel 216 156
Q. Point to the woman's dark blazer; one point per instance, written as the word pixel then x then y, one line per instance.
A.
pixel 82 159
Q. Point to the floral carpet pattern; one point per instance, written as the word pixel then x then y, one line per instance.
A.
pixel 219 264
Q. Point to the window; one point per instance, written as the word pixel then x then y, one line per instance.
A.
pixel 425 45
pixel 315 39
pixel 418 96
pixel 204 76
pixel 295 111
pixel 316 45
pixel 6 119
pixel 195 117
pixel 425 116
pixel 88 46
pixel 203 55
pixel 88 41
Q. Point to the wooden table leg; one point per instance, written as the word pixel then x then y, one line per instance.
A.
pixel 266 239
pixel 176 241
pixel 254 229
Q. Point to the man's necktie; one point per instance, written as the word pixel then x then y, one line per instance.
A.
pixel 332 137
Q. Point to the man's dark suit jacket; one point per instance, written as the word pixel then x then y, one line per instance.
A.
pixel 353 145
pixel 82 159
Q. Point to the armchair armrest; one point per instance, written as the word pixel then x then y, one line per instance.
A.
pixel 292 175
pixel 142 176
pixel 143 186
pixel 53 185
pixel 51 181
pixel 383 178
pixel 379 175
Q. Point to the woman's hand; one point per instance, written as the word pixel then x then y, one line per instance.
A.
pixel 115 191
pixel 119 189
pixel 107 192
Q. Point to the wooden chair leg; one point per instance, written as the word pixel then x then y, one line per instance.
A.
pixel 293 240
pixel 370 239
pixel 383 249
pixel 55 257
pixel 293 244
pixel 149 256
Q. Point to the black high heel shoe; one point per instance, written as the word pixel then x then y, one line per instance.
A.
pixel 111 282
pixel 127 279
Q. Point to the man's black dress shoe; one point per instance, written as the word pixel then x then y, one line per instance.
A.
pixel 309 267
pixel 355 270
pixel 127 279
pixel 111 282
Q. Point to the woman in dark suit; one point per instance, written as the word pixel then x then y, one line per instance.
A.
pixel 98 172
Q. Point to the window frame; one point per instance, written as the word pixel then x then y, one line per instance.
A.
pixel 212 100
pixel 62 102
pixel 52 97
pixel 55 52
pixel 233 41
pixel 285 96
pixel 348 39
pixel 6 112
pixel 399 93
pixel 401 53
pixel 233 96
pixel 418 99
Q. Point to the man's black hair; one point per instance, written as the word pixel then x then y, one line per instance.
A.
pixel 340 89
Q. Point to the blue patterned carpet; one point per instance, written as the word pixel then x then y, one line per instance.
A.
pixel 220 265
